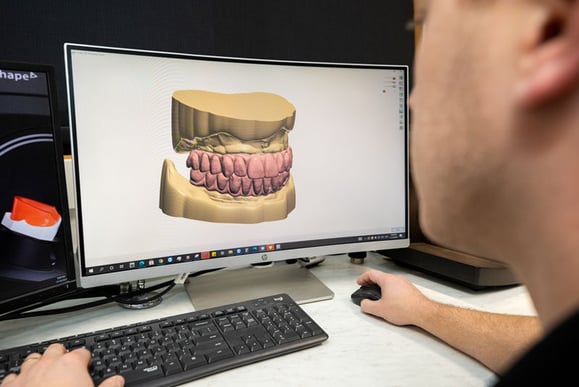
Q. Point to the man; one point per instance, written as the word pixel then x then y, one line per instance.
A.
pixel 495 158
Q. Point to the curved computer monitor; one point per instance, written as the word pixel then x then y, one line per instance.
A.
pixel 186 163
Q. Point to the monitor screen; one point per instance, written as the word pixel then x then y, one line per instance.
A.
pixel 36 256
pixel 186 163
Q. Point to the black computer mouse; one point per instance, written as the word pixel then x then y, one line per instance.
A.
pixel 372 292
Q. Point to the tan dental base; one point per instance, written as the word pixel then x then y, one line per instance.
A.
pixel 178 197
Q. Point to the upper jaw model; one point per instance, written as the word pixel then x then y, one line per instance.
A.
pixel 239 157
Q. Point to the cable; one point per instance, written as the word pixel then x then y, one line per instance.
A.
pixel 125 298
pixel 17 315
pixel 110 292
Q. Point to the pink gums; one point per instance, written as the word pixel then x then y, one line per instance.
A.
pixel 240 174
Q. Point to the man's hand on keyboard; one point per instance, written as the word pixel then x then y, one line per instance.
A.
pixel 57 367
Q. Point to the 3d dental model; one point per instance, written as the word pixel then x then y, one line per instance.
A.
pixel 239 157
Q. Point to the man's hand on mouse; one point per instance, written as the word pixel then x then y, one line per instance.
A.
pixel 401 303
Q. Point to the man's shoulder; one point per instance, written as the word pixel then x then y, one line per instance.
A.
pixel 548 359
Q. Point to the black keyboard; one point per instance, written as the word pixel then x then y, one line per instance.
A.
pixel 181 348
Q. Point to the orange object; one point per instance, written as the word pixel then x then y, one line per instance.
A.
pixel 33 212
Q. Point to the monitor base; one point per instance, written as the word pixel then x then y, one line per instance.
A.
pixel 235 285
pixel 473 272
pixel 141 302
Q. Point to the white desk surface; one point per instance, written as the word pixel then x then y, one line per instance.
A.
pixel 361 350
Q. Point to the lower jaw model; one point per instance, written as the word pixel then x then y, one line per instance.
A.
pixel 239 158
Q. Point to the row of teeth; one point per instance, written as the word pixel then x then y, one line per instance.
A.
pixel 239 186
pixel 240 174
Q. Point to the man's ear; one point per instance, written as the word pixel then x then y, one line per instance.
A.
pixel 550 64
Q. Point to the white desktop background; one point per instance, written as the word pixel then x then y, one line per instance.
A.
pixel 349 150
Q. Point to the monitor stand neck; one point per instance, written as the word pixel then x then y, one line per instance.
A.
pixel 141 301
pixel 233 285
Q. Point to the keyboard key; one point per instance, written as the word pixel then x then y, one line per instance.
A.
pixel 172 367
pixel 193 362
pixel 143 374
pixel 218 354
pixel 241 349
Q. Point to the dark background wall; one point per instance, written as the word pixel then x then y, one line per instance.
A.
pixel 369 31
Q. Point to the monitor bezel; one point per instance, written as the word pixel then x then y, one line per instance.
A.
pixel 116 277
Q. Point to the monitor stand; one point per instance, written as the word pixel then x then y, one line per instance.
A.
pixel 233 285
pixel 142 301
